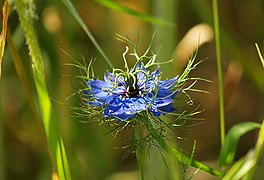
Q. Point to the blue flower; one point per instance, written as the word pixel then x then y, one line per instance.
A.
pixel 123 95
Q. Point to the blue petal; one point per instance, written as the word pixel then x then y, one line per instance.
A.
pixel 121 80
pixel 151 84
pixel 86 92
pixel 140 66
pixel 123 113
pixel 141 78
pixel 163 102
pixel 120 90
pixel 98 84
pixel 154 111
pixel 94 103
pixel 159 109
pixel 167 84
pixel 125 109
pixel 155 73
pixel 97 89
pixel 138 104
pixel 166 109
pixel 115 104
pixel 109 77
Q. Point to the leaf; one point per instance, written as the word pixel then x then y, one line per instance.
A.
pixel 241 167
pixel 51 128
pixel 150 19
pixel 228 150
pixel 75 14
pixel 3 33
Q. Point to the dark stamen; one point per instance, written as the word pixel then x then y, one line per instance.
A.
pixel 131 89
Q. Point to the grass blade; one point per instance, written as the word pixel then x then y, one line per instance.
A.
pixel 3 33
pixel 228 150
pixel 25 12
pixel 258 154
pixel 260 143
pixel 235 169
pixel 2 156
pixel 260 55
pixel 219 71
pixel 150 19
pixel 75 14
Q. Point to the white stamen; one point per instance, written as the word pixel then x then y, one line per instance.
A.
pixel 140 93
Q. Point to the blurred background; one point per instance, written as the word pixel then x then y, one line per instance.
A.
pixel 91 153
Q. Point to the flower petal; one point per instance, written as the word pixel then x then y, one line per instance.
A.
pixel 166 109
pixel 97 87
pixel 109 77
pixel 167 84
pixel 155 73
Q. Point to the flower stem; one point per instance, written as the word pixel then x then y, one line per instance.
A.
pixel 180 156
pixel 138 151
pixel 219 70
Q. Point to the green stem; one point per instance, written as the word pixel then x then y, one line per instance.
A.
pixel 138 151
pixel 219 71
pixel 180 156
pixel 25 11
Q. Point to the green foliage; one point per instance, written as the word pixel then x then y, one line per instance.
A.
pixel 246 166
pixel 228 150
pixel 26 15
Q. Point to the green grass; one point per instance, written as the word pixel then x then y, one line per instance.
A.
pixel 26 13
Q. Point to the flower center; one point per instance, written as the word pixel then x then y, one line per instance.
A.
pixel 132 92
pixel 131 88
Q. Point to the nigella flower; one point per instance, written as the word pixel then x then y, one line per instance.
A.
pixel 125 94
pixel 135 92
pixel 135 97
